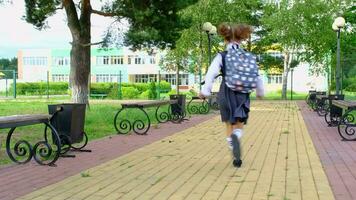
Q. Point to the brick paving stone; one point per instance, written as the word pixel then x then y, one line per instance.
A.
pixel 338 158
pixel 279 162
pixel 18 180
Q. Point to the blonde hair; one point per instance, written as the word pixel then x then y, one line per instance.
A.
pixel 234 32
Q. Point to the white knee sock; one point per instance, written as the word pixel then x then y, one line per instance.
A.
pixel 229 142
pixel 237 132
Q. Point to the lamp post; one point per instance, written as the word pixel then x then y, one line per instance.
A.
pixel 339 23
pixel 210 31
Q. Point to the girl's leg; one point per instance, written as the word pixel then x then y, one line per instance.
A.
pixel 229 129
pixel 235 136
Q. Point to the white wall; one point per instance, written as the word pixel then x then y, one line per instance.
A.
pixel 303 81
pixel 34 73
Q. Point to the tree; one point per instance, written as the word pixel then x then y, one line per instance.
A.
pixel 152 23
pixel 191 50
pixel 303 28
pixel 8 64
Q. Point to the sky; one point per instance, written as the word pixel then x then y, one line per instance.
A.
pixel 16 33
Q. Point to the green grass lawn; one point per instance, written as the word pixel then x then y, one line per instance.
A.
pixel 99 120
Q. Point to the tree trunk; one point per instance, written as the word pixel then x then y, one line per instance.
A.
pixel 79 72
pixel 80 52
pixel 285 75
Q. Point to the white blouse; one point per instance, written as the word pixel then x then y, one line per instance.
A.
pixel 214 70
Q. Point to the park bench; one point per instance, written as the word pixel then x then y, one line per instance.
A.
pixel 312 98
pixel 333 113
pixel 124 124
pixel 204 104
pixel 321 104
pixel 347 123
pixel 101 96
pixel 44 152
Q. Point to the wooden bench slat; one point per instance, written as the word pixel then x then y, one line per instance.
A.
pixel 322 96
pixel 148 103
pixel 23 120
pixel 345 104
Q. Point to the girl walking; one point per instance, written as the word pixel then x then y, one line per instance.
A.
pixel 240 76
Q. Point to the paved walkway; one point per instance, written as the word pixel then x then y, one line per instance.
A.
pixel 280 162
pixel 337 157
pixel 18 180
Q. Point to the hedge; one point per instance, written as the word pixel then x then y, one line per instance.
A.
pixel 111 89
pixel 40 88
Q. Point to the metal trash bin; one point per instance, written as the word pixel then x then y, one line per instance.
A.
pixel 179 108
pixel 69 119
pixel 334 110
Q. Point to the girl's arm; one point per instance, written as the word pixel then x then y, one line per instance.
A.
pixel 260 92
pixel 213 71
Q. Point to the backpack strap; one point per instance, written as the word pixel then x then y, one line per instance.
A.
pixel 223 56
pixel 222 71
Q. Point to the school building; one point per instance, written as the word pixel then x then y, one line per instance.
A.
pixel 36 65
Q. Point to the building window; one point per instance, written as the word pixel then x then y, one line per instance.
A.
pixel 103 60
pixel 107 78
pixel 152 60
pixel 117 60
pixel 35 61
pixel 60 78
pixel 170 78
pixel 139 60
pixel 274 79
pixel 61 61
pixel 130 59
pixel 183 79
pixel 144 78
pixel 106 60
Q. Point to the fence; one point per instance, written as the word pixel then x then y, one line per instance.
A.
pixel 7 78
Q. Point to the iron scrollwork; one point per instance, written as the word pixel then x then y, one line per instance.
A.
pixel 124 126
pixel 202 108
pixel 44 152
pixel 347 126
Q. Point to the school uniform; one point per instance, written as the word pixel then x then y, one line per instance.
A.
pixel 234 106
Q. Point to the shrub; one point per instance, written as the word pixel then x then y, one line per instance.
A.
pixel 141 86
pixel 100 88
pixel 165 86
pixel 351 87
pixel 129 92
pixel 349 84
pixel 152 91
pixel 114 91
pixel 40 88
pixel 144 95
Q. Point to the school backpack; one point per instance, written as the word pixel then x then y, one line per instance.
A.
pixel 240 70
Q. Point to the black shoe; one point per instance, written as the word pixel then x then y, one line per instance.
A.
pixel 237 163
pixel 236 147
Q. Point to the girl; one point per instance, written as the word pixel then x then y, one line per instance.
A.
pixel 234 106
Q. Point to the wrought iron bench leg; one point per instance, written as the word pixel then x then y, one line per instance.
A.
pixel 138 126
pixel 124 126
pixel 347 126
pixel 162 117
pixel 42 152
pixel 192 109
pixel 205 107
pixel 22 149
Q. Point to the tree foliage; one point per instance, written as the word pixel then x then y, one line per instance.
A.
pixel 214 11
pixel 152 23
pixel 8 64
